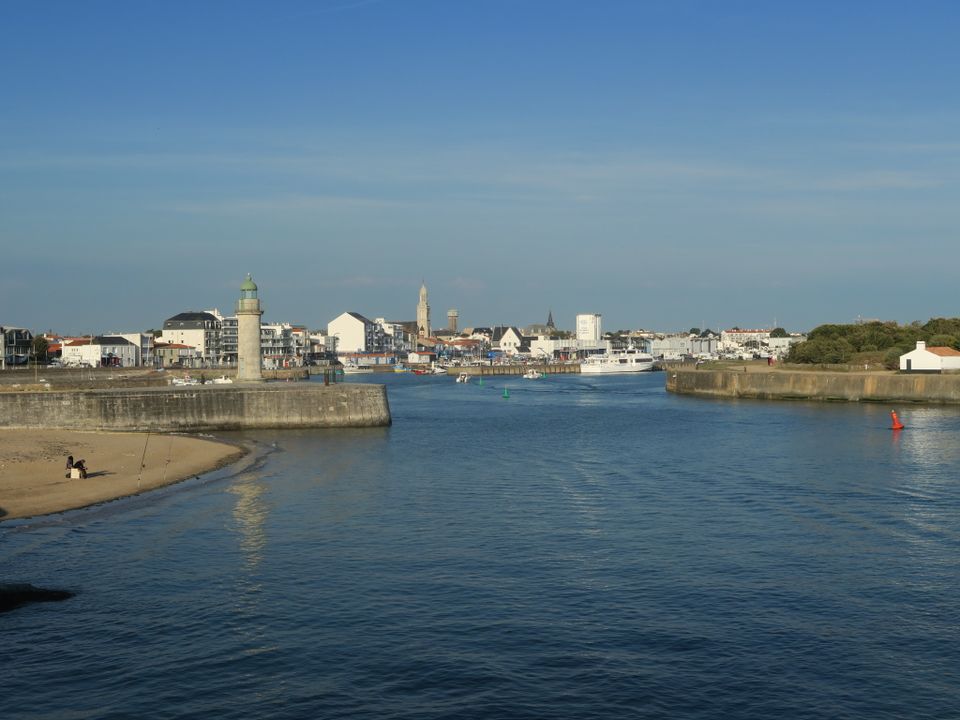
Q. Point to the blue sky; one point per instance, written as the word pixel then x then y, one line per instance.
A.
pixel 666 164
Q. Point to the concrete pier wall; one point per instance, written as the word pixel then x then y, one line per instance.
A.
pixel 784 385
pixel 200 408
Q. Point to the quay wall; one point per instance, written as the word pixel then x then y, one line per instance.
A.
pixel 836 386
pixel 485 370
pixel 200 408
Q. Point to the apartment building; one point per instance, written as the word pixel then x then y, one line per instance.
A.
pixel 201 330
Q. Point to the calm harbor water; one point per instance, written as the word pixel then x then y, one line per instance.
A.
pixel 586 548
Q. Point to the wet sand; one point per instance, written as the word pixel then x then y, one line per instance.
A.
pixel 32 467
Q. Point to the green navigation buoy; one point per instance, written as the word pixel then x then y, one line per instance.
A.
pixel 506 393
pixel 481 379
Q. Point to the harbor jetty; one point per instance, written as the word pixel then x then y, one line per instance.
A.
pixel 779 384
pixel 199 408
pixel 485 370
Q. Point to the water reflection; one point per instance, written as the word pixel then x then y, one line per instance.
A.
pixel 926 450
pixel 250 513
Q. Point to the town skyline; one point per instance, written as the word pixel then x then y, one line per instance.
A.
pixel 656 163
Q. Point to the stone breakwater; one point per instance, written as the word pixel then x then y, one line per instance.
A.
pixel 199 408
pixel 485 370
pixel 827 386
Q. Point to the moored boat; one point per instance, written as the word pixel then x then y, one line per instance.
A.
pixel 630 360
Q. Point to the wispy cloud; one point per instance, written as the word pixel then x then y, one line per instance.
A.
pixel 287 203
pixel 364 177
pixel 919 148
pixel 877 180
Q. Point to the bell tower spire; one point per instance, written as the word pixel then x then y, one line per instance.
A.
pixel 423 313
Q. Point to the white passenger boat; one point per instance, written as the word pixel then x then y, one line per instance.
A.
pixel 630 360
pixel 356 369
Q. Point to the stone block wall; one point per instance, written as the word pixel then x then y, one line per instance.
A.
pixel 200 408
pixel 875 387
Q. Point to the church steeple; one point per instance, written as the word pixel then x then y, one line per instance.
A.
pixel 423 313
pixel 550 320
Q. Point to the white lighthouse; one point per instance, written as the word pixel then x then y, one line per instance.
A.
pixel 248 333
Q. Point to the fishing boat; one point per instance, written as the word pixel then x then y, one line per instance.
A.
pixel 630 360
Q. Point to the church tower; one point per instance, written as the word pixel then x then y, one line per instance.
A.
pixel 423 313
pixel 248 333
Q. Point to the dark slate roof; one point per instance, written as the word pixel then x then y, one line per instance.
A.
pixel 191 317
pixel 110 340
pixel 500 330
pixel 361 318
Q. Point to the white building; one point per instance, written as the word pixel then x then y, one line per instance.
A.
pixel 508 340
pixel 396 337
pixel 356 334
pixel 671 347
pixel 546 348
pixel 589 328
pixel 737 339
pixel 144 344
pixel 201 330
pixel 322 344
pixel 103 350
pixel 73 353
pixel 930 359
pixel 779 347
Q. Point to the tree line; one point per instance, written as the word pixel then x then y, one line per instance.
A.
pixel 839 343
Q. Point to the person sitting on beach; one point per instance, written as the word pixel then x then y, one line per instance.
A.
pixel 69 465
pixel 81 467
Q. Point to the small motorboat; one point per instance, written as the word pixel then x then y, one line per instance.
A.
pixel 532 375
pixel 463 377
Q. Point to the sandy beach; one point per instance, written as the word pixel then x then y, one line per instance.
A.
pixel 32 467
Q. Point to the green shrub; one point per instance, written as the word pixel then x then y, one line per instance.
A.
pixel 891 359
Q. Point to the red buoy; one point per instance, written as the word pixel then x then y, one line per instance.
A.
pixel 897 425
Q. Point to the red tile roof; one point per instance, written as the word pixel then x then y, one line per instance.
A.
pixel 944 351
